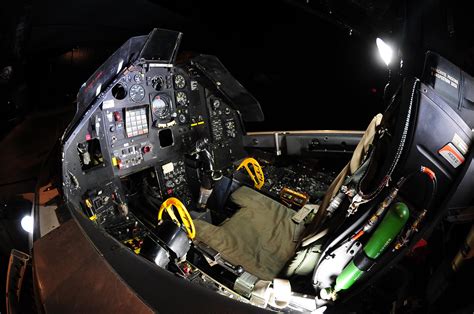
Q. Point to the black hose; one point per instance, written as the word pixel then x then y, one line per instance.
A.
pixel 434 184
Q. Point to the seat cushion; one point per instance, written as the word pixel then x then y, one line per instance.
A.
pixel 261 236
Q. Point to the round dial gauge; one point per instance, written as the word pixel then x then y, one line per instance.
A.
pixel 137 78
pixel 181 98
pixel 137 92
pixel 182 118
pixel 179 81
pixel 160 106
pixel 157 82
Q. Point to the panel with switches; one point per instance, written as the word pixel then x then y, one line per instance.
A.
pixel 152 117
pixel 173 181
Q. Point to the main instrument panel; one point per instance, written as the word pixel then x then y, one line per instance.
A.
pixel 147 123
pixel 152 116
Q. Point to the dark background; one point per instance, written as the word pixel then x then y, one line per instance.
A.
pixel 311 64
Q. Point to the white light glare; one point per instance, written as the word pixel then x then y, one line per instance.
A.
pixel 27 223
pixel 385 51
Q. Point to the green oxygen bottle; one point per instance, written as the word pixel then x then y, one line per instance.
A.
pixel 388 229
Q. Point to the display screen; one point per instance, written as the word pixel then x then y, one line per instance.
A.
pixel 136 121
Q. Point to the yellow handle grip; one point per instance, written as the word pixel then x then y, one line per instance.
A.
pixel 256 175
pixel 183 214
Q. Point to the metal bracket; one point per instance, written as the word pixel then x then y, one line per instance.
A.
pixel 277 142
pixel 15 275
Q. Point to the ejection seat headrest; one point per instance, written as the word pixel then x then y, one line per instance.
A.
pixel 455 86
pixel 424 119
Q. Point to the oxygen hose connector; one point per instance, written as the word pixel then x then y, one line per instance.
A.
pixel 335 203
pixel 405 238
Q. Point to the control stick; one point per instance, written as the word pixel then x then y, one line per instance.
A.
pixel 208 176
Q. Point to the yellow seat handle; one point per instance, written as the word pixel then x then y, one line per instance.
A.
pixel 256 175
pixel 183 214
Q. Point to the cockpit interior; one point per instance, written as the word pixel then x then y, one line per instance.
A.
pixel 157 159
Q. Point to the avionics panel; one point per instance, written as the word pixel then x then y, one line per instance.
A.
pixel 142 126
pixel 152 114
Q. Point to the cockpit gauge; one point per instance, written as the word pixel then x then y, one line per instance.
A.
pixel 137 93
pixel 137 78
pixel 181 98
pixel 161 107
pixel 182 118
pixel 179 81
pixel 157 82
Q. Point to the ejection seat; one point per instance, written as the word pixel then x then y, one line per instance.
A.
pixel 427 125
pixel 263 238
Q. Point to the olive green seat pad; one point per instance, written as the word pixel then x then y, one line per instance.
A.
pixel 261 236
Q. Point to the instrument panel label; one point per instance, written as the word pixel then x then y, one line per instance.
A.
pixel 107 104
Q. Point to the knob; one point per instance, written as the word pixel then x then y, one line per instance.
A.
pixel 216 104
pixel 117 116
pixel 146 149
pixel 157 83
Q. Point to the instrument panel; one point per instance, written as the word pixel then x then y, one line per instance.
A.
pixel 143 127
pixel 152 115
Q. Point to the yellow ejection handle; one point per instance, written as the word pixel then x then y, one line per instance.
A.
pixel 183 213
pixel 257 174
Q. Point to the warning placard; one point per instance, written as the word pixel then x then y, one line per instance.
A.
pixel 445 77
pixel 452 155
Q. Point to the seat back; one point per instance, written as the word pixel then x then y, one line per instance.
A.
pixel 450 83
pixel 426 124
